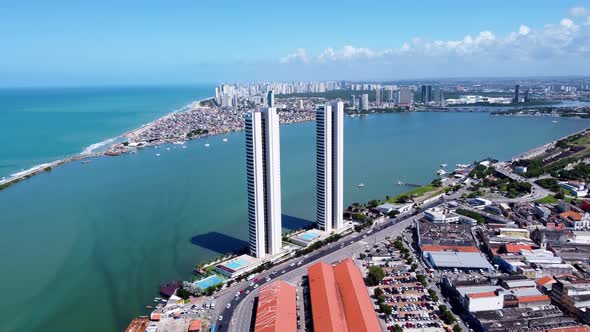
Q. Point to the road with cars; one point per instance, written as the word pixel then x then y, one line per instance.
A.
pixel 234 310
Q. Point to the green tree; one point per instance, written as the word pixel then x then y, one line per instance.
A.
pixel 375 275
pixel 397 328
pixel 387 310
pixel 457 328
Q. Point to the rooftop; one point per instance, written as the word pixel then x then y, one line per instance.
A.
pixel 277 308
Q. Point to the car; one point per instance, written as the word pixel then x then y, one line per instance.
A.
pixel 220 317
pixel 241 291
pixel 247 292
pixel 251 284
pixel 237 294
pixel 292 264
pixel 255 286
pixel 228 305
pixel 274 272
pixel 299 263
pixel 255 279
pixel 282 272
pixel 267 279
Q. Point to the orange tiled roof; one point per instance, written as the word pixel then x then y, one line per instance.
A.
pixel 571 215
pixel 339 299
pixel 545 280
pixel 481 295
pixel 195 325
pixel 570 329
pixel 326 307
pixel 277 308
pixel 533 298
pixel 430 247
pixel 155 316
pixel 516 248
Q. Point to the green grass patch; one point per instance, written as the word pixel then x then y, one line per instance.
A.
pixel 549 199
pixel 415 192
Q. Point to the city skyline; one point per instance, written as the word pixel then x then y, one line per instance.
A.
pixel 406 41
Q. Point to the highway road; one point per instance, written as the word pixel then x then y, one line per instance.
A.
pixel 239 315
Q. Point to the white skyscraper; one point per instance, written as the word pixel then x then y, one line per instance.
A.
pixel 264 182
pixel 329 166
pixel 270 99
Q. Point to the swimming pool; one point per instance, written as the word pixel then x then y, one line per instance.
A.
pixel 309 236
pixel 236 264
pixel 213 280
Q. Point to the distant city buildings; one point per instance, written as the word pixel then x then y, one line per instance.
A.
pixel 264 184
pixel 364 102
pixel 516 98
pixel 329 166
pixel 404 97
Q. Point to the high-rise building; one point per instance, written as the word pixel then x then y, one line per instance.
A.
pixel 423 96
pixel 404 97
pixel 352 102
pixel 329 166
pixel 364 102
pixel 516 98
pixel 428 93
pixel 378 97
pixel 270 99
pixel 264 182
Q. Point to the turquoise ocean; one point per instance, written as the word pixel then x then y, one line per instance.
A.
pixel 86 246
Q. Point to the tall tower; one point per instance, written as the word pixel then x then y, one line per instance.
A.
pixel 329 166
pixel 264 182
pixel 516 98
pixel 270 99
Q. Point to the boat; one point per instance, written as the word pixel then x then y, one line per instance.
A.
pixel 149 307
pixel 167 149
pixel 441 172
pixel 184 146
pixel 554 121
pixel 207 145
pixel 86 161
pixel 360 185
pixel 443 165
pixel 156 301
pixel 157 154
pixel 178 143
pixel 399 183
pixel 225 139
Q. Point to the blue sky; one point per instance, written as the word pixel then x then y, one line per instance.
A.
pixel 67 42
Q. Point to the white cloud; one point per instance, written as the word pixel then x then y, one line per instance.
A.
pixel 579 11
pixel 300 55
pixel 571 37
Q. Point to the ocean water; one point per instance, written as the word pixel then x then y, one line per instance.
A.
pixel 45 124
pixel 88 244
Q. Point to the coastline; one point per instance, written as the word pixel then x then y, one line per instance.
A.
pixel 131 141
pixel 89 151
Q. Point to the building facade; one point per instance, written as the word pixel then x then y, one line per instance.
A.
pixel 329 166
pixel 263 182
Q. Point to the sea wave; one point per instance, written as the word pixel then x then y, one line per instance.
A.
pixel 96 146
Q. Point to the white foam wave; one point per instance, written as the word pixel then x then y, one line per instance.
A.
pixel 93 147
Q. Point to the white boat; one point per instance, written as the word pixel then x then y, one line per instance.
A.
pixel 157 154
pixel 178 143
pixel 184 147
pixel 400 183
pixel 360 185
pixel 225 139
pixel 167 149
pixel 207 145
pixel 554 121
pixel 441 172
pixel 443 165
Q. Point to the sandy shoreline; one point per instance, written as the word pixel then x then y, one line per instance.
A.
pixel 88 151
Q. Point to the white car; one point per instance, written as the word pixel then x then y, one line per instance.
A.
pixel 237 294
pixel 251 284
pixel 283 271
pixel 228 305
pixel 255 286
pixel 292 264
pixel 220 317
pixel 267 279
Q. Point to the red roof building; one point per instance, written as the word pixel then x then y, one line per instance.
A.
pixel 195 325
pixel 339 299
pixel 277 308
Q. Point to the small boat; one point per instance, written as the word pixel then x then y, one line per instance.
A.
pixel 184 146
pixel 360 185
pixel 156 301
pixel 554 121
pixel 149 307
pixel 443 165
pixel 225 139
pixel 207 145
pixel 178 143
pixel 167 149
pixel 86 161
pixel 441 172
pixel 399 183
pixel 156 146
pixel 157 154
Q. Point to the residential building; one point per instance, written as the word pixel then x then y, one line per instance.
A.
pixel 404 97
pixel 263 182
pixel 329 166
pixel 364 102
